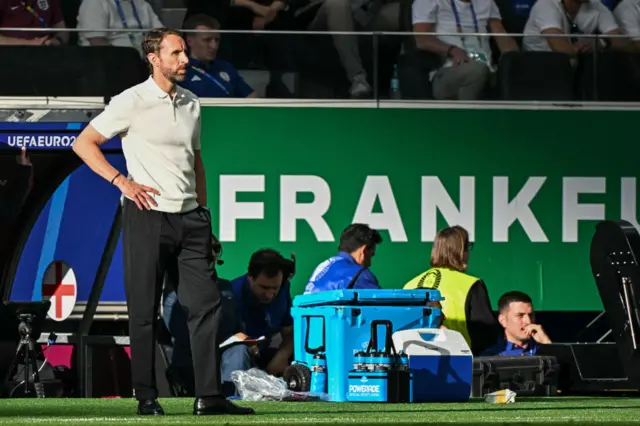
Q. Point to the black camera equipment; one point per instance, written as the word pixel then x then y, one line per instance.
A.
pixel 22 322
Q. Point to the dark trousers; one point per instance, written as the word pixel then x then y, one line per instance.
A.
pixel 152 242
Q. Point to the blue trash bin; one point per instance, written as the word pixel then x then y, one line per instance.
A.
pixel 337 324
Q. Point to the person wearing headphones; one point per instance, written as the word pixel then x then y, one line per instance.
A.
pixel 263 311
pixel 466 307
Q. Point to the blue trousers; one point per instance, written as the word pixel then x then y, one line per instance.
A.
pixel 237 357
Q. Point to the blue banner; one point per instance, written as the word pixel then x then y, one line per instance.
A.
pixel 47 126
pixel 75 223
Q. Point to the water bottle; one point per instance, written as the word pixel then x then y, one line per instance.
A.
pixel 370 361
pixel 394 93
pixel 360 361
pixel 404 361
pixel 384 361
pixel 377 361
pixel 319 374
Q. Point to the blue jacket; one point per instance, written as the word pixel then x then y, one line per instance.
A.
pixel 259 319
pixel 219 80
pixel 506 348
pixel 336 273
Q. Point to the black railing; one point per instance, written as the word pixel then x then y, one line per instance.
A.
pixel 308 65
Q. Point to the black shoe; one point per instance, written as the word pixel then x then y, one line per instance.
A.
pixel 150 407
pixel 218 405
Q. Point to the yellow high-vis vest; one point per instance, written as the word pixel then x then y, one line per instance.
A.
pixel 454 286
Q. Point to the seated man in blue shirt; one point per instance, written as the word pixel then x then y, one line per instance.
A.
pixel 263 306
pixel 208 77
pixel 521 334
pixel 349 269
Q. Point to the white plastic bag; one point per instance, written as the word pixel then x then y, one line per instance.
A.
pixel 504 396
pixel 257 385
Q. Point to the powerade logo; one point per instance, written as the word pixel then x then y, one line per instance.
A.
pixel 34 141
pixel 367 390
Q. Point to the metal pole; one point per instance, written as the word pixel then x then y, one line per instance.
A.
pixel 376 94
pixel 94 299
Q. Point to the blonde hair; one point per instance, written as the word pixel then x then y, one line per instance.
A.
pixel 449 248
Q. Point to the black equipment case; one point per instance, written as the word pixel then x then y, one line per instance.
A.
pixel 615 248
pixel 588 368
pixel 526 375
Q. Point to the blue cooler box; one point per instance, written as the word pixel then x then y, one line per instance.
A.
pixel 338 324
pixel 441 363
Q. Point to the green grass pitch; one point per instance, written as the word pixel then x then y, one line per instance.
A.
pixel 542 411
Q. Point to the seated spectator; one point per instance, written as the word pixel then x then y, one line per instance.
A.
pixel 521 334
pixel 263 307
pixel 115 15
pixel 570 17
pixel 466 305
pixel 156 5
pixel 627 13
pixel 207 76
pixel 349 16
pixel 263 12
pixel 32 14
pixel 267 51
pixel 349 269
pixel 468 65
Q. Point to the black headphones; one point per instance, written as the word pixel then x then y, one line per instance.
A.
pixel 216 249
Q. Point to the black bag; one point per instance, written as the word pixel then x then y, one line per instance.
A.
pixel 525 375
pixel 58 381
pixel 52 379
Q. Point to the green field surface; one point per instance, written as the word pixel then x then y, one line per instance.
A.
pixel 544 411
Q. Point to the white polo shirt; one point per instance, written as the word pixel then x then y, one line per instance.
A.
pixel 628 15
pixel 546 14
pixel 440 13
pixel 159 138
pixel 103 14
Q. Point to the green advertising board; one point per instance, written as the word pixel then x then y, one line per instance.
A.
pixel 530 186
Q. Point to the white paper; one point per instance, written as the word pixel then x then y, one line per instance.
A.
pixel 233 340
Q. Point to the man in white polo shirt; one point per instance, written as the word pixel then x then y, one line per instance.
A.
pixel 570 17
pixel 467 66
pixel 627 14
pixel 115 15
pixel 165 221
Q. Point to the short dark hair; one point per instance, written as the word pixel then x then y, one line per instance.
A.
pixel 269 262
pixel 194 21
pixel 357 235
pixel 512 296
pixel 153 39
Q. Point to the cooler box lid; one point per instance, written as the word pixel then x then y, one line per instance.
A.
pixel 368 297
